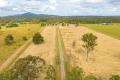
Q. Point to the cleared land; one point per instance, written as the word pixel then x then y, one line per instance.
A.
pixel 103 61
pixel 109 29
pixel 46 50
pixel 25 30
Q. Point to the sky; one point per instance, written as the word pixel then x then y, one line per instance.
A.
pixel 61 7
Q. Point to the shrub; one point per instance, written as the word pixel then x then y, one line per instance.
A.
pixel 67 24
pixel 25 38
pixel 9 39
pixel 3 24
pixel 73 44
pixel 90 77
pixel 37 38
pixel 77 24
pixel 63 24
pixel 12 25
pixel 51 73
pixel 43 24
pixel 76 74
pixel 115 77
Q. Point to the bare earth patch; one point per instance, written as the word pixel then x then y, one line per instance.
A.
pixel 103 61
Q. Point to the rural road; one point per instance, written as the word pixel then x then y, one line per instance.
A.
pixel 61 53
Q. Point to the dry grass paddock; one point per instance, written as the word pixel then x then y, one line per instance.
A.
pixel 103 61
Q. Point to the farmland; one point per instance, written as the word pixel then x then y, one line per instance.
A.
pixel 24 30
pixel 59 39
pixel 45 49
pixel 104 51
pixel 109 29
pixel 61 51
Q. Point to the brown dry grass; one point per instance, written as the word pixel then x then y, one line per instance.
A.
pixel 18 33
pixel 103 61
pixel 46 50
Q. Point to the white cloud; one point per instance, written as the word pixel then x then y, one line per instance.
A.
pixel 35 6
pixel 59 6
pixel 86 1
pixel 53 1
pixel 15 9
pixel 94 1
pixel 3 3
pixel 76 1
pixel 52 7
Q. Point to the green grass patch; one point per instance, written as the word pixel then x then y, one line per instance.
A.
pixel 110 29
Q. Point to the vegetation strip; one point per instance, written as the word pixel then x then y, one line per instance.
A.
pixel 57 61
pixel 62 52
pixel 66 58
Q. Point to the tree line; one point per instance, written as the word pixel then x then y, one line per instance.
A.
pixel 61 19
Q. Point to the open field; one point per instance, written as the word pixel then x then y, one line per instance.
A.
pixel 46 50
pixel 26 30
pixel 109 29
pixel 103 62
pixel 58 50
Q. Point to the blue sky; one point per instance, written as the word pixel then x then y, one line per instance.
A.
pixel 60 7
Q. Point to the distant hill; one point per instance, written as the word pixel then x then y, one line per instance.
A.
pixel 26 14
pixel 32 17
pixel 29 14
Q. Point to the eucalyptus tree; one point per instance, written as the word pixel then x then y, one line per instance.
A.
pixel 89 43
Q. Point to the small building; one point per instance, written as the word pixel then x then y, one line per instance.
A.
pixel 105 23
